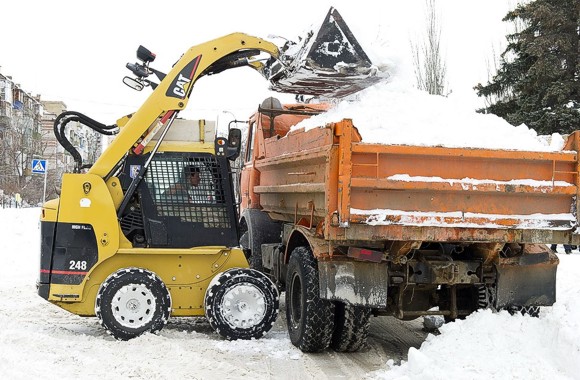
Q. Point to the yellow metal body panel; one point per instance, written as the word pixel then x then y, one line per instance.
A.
pixel 185 272
pixel 87 199
pixel 114 187
pixel 174 146
pixel 51 205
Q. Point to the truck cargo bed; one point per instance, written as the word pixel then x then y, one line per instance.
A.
pixel 328 177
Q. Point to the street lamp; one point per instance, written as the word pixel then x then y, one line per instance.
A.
pixel 218 120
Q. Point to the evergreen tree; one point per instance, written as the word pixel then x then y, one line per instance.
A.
pixel 537 82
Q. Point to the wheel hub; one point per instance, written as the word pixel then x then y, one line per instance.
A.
pixel 133 305
pixel 243 306
pixel 295 301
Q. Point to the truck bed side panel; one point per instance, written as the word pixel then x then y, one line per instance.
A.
pixel 415 192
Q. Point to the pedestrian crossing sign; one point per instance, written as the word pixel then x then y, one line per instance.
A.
pixel 39 166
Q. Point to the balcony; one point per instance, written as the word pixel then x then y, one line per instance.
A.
pixel 5 114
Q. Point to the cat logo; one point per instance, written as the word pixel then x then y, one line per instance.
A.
pixel 181 84
pixel 179 89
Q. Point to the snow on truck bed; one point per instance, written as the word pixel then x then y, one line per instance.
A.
pixel 394 113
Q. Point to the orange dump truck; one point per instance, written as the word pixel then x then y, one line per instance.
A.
pixel 351 229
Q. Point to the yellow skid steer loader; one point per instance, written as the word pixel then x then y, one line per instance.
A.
pixel 150 230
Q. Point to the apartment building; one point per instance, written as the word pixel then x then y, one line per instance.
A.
pixel 27 132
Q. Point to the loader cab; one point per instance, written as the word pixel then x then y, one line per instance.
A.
pixel 185 200
pixel 186 197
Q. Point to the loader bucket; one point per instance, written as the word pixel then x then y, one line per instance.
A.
pixel 328 63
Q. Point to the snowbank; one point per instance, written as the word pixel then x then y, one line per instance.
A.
pixel 490 345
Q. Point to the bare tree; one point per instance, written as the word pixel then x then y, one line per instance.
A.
pixel 18 146
pixel 492 66
pixel 494 63
pixel 430 68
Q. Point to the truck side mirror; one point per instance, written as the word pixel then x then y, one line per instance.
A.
pixel 234 143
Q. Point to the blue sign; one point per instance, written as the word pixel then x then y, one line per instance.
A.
pixel 38 166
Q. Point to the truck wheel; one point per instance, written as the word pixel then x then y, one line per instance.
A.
pixel 132 301
pixel 257 228
pixel 532 311
pixel 241 304
pixel 254 257
pixel 486 300
pixel 351 327
pixel 310 319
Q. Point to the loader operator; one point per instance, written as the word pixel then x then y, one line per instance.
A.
pixel 185 187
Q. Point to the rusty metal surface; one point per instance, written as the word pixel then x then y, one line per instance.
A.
pixel 444 272
pixel 451 234
pixel 374 192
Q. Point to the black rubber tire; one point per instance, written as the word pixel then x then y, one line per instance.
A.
pixel 532 311
pixel 482 297
pixel 487 297
pixel 351 327
pixel 310 319
pixel 256 297
pixel 254 258
pixel 257 228
pixel 136 293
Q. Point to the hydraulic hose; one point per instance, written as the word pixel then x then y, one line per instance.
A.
pixel 59 131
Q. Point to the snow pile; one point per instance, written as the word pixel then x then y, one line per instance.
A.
pixel 490 345
pixel 395 113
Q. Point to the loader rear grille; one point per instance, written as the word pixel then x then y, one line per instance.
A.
pixel 131 222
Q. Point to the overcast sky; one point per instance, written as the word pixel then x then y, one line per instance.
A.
pixel 76 51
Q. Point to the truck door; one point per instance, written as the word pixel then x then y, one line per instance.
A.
pixel 249 173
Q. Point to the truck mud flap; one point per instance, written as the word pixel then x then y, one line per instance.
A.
pixel 355 283
pixel 328 62
pixel 527 280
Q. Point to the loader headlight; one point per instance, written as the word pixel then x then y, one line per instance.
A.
pixel 145 54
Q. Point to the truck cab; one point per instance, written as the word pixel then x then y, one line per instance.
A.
pixel 273 119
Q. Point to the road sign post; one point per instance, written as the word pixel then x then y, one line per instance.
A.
pixel 40 166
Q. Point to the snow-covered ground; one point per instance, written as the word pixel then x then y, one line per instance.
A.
pixel 40 341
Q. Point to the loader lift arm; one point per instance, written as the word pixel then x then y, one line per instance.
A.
pixel 171 95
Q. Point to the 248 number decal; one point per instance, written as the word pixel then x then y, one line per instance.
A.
pixel 77 265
